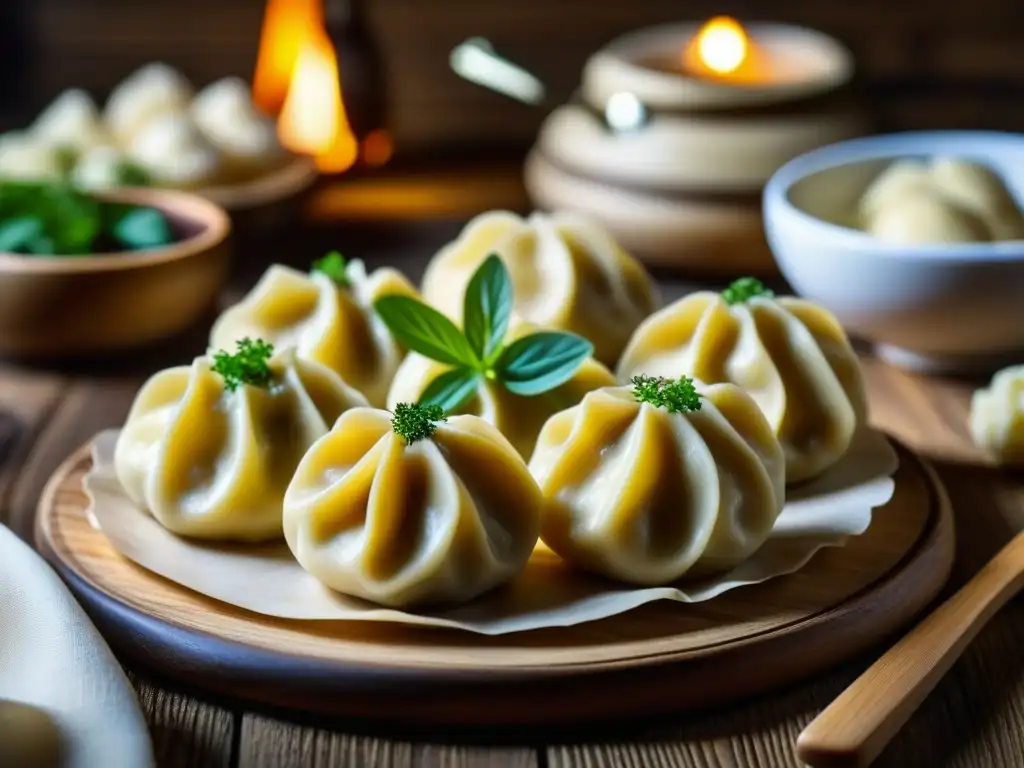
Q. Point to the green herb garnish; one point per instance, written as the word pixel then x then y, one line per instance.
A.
pixel 249 364
pixel 334 266
pixel 416 422
pixel 529 366
pixel 675 396
pixel 55 219
pixel 745 289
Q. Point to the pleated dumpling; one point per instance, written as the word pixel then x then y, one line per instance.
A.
pixel 997 416
pixel 328 316
pixel 209 449
pixel 405 511
pixel 790 355
pixel 651 483
pixel 569 274
pixel 518 417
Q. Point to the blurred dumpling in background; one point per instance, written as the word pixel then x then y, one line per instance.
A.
pixel 927 217
pixel 225 113
pixel 24 158
pixel 899 179
pixel 72 120
pixel 980 190
pixel 568 274
pixel 175 153
pixel 150 92
pixel 106 168
pixel 997 416
pixel 328 316
pixel 792 356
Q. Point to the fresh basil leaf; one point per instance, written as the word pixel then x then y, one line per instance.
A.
pixel 425 330
pixel 16 234
pixel 451 389
pixel 143 228
pixel 542 361
pixel 487 307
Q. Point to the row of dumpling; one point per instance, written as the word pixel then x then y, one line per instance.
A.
pixel 155 123
pixel 646 484
pixel 569 275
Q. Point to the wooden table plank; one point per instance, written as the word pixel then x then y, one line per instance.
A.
pixel 269 743
pixel 186 733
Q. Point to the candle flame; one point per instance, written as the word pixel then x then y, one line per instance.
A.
pixel 313 119
pixel 286 24
pixel 722 45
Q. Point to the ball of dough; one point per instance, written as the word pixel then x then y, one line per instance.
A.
pixel 176 153
pixel 99 168
pixel 148 93
pixel 72 120
pixel 982 191
pixel 997 416
pixel 897 181
pixel 225 113
pixel 927 217
pixel 24 158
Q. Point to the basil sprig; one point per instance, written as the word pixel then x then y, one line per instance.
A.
pixel 529 366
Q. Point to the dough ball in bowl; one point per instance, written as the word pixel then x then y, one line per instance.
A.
pixel 928 217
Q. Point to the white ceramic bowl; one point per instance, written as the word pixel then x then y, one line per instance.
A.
pixel 934 308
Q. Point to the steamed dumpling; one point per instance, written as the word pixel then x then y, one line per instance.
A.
pixel 791 355
pixel 568 274
pixel 225 113
pixel 72 120
pixel 997 416
pixel 214 464
pixel 645 496
pixel 175 153
pixel 517 417
pixel 897 181
pixel 326 322
pixel 151 92
pixel 928 217
pixel 100 168
pixel 25 158
pixel 978 189
pixel 440 520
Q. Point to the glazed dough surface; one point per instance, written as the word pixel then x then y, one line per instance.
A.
pixel 644 496
pixel 436 522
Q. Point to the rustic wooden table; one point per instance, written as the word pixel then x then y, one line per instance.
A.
pixel 974 718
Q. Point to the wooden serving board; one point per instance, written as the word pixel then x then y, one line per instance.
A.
pixel 663 656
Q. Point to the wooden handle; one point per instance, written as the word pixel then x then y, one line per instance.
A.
pixel 855 728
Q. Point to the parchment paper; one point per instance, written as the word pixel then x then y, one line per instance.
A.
pixel 266 579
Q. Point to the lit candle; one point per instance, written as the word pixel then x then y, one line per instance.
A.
pixel 722 49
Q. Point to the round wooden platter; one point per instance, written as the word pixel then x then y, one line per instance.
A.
pixel 664 656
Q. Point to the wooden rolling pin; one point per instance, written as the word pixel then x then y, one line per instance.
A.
pixel 855 728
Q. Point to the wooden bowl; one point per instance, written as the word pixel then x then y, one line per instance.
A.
pixel 268 202
pixel 82 306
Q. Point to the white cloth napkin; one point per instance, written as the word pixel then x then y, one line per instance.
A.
pixel 53 658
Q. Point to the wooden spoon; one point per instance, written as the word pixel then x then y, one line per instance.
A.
pixel 855 728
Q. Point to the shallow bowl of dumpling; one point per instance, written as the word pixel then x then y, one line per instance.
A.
pixel 933 292
pixel 78 307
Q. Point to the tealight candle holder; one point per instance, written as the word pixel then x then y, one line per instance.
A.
pixel 676 129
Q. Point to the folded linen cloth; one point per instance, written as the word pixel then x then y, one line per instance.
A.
pixel 64 700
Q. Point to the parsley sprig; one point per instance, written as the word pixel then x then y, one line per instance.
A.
pixel 416 422
pixel 334 266
pixel 249 364
pixel 675 396
pixel 744 289
pixel 529 366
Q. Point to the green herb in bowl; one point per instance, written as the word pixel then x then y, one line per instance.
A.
pixel 52 219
